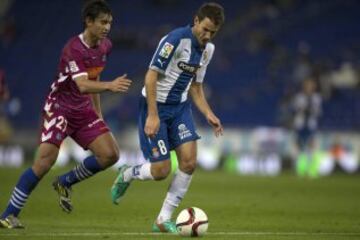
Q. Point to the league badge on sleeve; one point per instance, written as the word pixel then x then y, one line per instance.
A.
pixel 166 50
pixel 73 67
pixel 205 58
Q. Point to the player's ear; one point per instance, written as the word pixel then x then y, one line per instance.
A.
pixel 88 21
pixel 196 20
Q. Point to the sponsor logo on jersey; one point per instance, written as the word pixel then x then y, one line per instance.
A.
pixel 161 62
pixel 166 50
pixel 90 125
pixel 186 67
pixel 184 132
pixel 73 67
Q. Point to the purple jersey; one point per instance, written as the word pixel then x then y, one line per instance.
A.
pixel 68 112
pixel 78 59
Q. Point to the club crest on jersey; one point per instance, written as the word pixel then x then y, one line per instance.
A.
pixel 155 152
pixel 166 50
pixel 58 136
pixel 184 132
pixel 186 67
pixel 73 67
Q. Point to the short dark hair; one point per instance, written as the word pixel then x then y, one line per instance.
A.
pixel 213 11
pixel 93 8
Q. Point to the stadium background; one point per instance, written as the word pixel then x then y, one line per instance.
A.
pixel 263 52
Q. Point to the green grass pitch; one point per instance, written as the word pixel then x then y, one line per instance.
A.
pixel 238 207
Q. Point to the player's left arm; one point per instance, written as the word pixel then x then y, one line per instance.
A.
pixel 96 102
pixel 198 96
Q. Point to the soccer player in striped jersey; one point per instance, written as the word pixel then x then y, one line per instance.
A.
pixel 72 108
pixel 165 123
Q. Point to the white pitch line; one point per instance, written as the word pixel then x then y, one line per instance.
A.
pixel 288 233
pixel 95 234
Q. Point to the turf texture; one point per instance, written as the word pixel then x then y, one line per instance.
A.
pixel 238 207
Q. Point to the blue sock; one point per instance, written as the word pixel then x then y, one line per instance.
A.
pixel 86 169
pixel 27 182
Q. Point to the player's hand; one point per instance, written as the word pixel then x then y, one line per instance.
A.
pixel 216 124
pixel 120 84
pixel 152 125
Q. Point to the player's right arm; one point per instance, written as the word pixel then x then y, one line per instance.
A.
pixel 119 84
pixel 74 63
pixel 152 123
pixel 158 65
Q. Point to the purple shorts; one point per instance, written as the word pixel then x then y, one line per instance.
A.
pixel 81 125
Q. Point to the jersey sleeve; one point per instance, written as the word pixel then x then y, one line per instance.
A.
pixel 74 62
pixel 164 52
pixel 206 58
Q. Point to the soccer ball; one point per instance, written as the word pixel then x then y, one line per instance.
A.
pixel 192 222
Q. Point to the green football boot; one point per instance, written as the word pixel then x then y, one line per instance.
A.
pixel 119 187
pixel 165 227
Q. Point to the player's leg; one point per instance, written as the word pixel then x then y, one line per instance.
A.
pixel 90 132
pixel 186 154
pixel 312 156
pixel 53 133
pixel 155 150
pixel 147 171
pixel 44 160
pixel 182 138
pixel 157 170
pixel 303 162
pixel 105 153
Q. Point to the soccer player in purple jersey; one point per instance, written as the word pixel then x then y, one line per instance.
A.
pixel 72 108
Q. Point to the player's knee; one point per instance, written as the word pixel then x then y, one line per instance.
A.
pixel 109 158
pixel 161 174
pixel 114 157
pixel 42 165
pixel 188 166
pixel 161 170
pixel 40 169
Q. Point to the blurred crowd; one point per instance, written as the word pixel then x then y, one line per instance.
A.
pixel 267 55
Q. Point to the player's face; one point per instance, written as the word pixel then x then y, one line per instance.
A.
pixel 100 27
pixel 309 86
pixel 204 30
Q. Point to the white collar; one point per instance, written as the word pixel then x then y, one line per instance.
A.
pixel 81 36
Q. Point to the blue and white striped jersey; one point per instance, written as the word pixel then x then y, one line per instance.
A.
pixel 179 59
